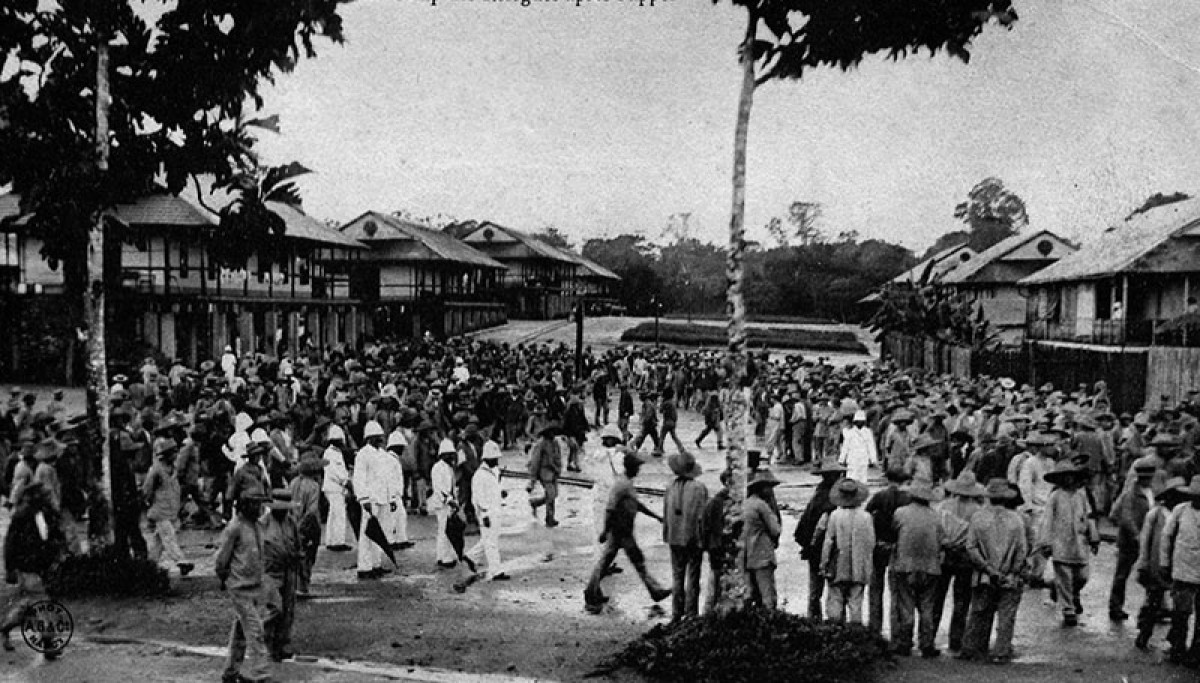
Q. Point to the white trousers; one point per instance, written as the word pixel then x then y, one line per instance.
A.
pixel 487 548
pixel 370 555
pixel 163 548
pixel 337 527
pixel 397 526
pixel 445 552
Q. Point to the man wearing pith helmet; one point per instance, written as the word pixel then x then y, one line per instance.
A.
pixel 370 472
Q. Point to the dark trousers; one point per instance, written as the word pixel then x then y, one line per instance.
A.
pixel 991 604
pixel 913 593
pixel 669 430
pixel 280 610
pixel 1184 605
pixel 615 545
pixel 816 587
pixel 961 578
pixel 1127 555
pixel 883 553
pixel 649 431
pixel 685 571
pixel 127 531
pixel 548 498
pixel 1151 610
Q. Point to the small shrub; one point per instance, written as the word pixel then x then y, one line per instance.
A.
pixel 105 572
pixel 755 646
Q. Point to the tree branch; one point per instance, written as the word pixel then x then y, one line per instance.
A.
pixel 200 196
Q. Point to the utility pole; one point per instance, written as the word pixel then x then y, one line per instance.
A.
pixel 579 340
pixel 654 303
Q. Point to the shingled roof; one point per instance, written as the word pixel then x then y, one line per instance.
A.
pixel 996 252
pixel 534 244
pixel 935 266
pixel 1122 248
pixel 302 226
pixel 437 245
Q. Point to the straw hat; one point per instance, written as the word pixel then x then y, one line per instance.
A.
pixel 998 488
pixel 163 446
pixel 966 486
pixel 1063 471
pixel 762 479
pixel 922 489
pixel 848 493
pixel 1171 490
pixel 684 464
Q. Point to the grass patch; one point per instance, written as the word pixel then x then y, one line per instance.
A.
pixel 686 334
pixel 104 572
pixel 755 646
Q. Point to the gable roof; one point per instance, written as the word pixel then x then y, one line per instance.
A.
pixel 595 269
pixel 935 266
pixel 163 209
pixel 302 226
pixel 1121 247
pixel 534 244
pixel 440 245
pixel 995 253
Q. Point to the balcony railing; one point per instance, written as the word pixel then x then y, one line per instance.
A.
pixel 1108 333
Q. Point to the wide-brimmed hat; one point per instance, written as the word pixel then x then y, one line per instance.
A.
pixel 258 448
pixel 1063 471
pixel 551 428
pixel 281 499
pixel 966 485
pixel 902 415
pixel 922 489
pixel 962 435
pixel 163 446
pixel 762 479
pixel 611 432
pixel 897 474
pixel 925 441
pixel 1007 382
pixel 1166 440
pixel 425 426
pixel 1170 490
pixel 1144 466
pixel 1040 439
pixel 312 465
pixel 48 449
pixel 631 457
pixel 998 488
pixel 684 464
pixel 848 493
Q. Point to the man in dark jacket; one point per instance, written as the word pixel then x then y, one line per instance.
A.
pixel 713 530
pixel 882 508
pixel 1129 512
pixel 810 540
pixel 33 543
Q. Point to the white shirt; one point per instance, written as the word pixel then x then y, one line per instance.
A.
pixel 393 477
pixel 443 487
pixel 335 472
pixel 370 475
pixel 605 470
pixel 485 491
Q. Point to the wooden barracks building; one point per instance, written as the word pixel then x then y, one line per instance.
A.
pixel 377 276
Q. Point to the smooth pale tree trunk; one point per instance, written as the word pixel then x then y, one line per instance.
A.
pixel 93 300
pixel 732 582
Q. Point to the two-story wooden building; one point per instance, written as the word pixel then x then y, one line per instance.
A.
pixel 420 280
pixel 165 294
pixel 990 278
pixel 541 280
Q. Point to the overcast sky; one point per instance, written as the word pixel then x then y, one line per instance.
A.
pixel 608 118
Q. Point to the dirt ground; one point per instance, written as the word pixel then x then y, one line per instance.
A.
pixel 412 626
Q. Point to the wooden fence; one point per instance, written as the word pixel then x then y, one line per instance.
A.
pixel 1131 376
pixel 1172 371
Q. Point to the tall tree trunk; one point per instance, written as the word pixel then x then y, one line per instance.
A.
pixel 733 586
pixel 93 300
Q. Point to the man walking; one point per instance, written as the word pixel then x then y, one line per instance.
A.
pixel 161 492
pixel 487 497
pixel 623 507
pixel 239 567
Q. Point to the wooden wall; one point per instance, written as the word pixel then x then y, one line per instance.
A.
pixel 1172 371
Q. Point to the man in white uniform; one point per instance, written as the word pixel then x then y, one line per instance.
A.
pixel 337 537
pixel 486 496
pixel 443 502
pixel 370 487
pixel 397 528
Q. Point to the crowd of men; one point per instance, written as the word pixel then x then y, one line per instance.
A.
pixel 992 488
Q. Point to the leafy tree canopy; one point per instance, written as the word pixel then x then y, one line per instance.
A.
pixel 554 237
pixel 992 213
pixel 183 83
pixel 1158 199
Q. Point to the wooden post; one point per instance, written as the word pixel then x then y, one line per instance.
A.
pixel 1125 312
pixel 1187 293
